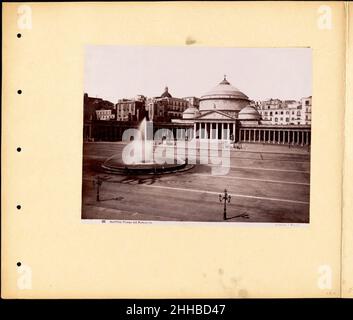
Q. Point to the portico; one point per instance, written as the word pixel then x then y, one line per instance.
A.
pixel 215 125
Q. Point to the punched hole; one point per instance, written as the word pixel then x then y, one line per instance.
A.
pixel 19 149
pixel 19 91
pixel 18 207
pixel 19 35
pixel 18 264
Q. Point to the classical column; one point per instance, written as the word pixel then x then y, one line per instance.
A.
pixel 233 127
pixel 293 137
pixel 194 130
pixel 222 126
pixel 217 130
pixel 211 130
pixel 306 137
pixel 302 138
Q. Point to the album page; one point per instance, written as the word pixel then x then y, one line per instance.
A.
pixel 175 150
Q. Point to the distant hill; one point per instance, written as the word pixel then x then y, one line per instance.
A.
pixel 91 104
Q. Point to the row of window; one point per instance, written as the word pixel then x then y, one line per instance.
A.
pixel 281 112
pixel 180 103
pixel 106 117
pixel 102 112
pixel 287 120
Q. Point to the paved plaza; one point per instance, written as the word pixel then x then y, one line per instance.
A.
pixel 266 183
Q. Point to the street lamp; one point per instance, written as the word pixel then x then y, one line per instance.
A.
pixel 98 182
pixel 226 198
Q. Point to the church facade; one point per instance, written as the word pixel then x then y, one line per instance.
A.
pixel 227 114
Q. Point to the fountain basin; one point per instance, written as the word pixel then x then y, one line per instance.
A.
pixel 115 165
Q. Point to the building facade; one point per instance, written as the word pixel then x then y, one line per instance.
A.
pixel 131 109
pixel 192 101
pixel 166 107
pixel 287 112
pixel 105 114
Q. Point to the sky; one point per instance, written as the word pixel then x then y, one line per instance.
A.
pixel 116 72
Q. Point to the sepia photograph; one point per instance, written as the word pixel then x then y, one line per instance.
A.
pixel 196 134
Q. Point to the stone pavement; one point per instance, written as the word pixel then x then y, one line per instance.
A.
pixel 269 184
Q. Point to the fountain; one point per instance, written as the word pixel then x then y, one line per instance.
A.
pixel 142 156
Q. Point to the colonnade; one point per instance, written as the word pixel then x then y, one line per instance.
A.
pixel 275 136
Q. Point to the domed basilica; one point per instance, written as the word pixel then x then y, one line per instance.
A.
pixel 220 111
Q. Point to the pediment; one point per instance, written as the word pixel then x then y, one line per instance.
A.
pixel 215 115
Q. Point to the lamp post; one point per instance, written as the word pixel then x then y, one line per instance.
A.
pixel 226 198
pixel 98 182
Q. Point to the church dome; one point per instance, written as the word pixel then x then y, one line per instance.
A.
pixel 191 113
pixel 166 93
pixel 224 97
pixel 249 113
pixel 225 90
